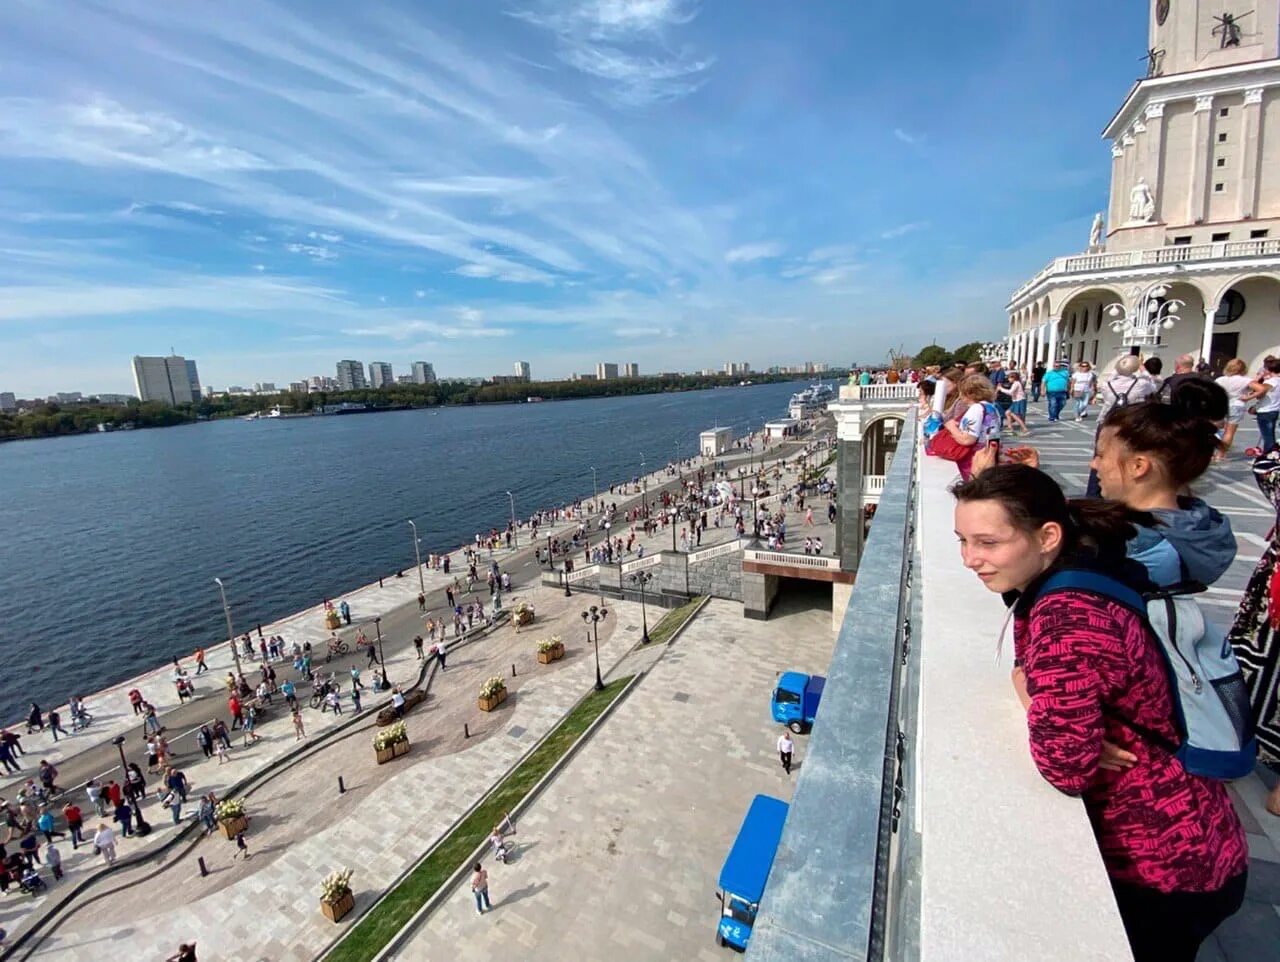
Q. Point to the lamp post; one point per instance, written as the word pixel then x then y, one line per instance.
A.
pixel 550 564
pixel 417 556
pixel 231 635
pixel 644 489
pixel 118 741
pixel 595 486
pixel 673 513
pixel 1154 312
pixel 642 578
pixel 593 616
pixel 382 658
pixel 515 530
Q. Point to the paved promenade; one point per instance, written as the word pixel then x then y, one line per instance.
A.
pixel 271 911
pixel 619 858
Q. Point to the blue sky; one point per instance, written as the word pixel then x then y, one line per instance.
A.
pixel 270 187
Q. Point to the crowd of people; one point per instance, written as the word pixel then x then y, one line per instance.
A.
pixel 1133 700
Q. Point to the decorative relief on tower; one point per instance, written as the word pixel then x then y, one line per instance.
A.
pixel 1253 95
pixel 1142 203
pixel 1155 110
pixel 1204 102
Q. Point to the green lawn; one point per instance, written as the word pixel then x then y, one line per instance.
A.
pixel 377 928
pixel 672 620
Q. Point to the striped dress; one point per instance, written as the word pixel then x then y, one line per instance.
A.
pixel 1254 633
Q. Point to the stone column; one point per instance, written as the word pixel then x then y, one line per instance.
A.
pixel 1119 212
pixel 1250 154
pixel 849 497
pixel 1201 133
pixel 1052 359
pixel 1038 353
pixel 1153 141
pixel 1206 341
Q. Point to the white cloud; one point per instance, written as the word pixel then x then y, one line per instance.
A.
pixel 313 251
pixel 403 330
pixel 754 252
pixel 907 137
pixel 259 267
pixel 325 236
pixel 635 332
pixel 903 229
pixel 419 294
pixel 471 184
pixel 626 44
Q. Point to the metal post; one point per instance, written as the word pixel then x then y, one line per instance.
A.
pixel 342 788
pixel 417 554
pixel 515 530
pixel 204 871
pixel 382 658
pixel 595 486
pixel 231 635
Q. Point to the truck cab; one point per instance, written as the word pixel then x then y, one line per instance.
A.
pixel 746 869
pixel 796 698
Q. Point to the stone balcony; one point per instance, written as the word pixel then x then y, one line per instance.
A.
pixel 1153 260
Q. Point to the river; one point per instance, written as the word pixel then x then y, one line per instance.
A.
pixel 114 539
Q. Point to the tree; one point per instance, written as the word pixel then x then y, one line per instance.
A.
pixel 968 353
pixel 933 355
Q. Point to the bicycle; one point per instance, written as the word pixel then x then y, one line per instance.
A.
pixel 318 695
pixel 336 647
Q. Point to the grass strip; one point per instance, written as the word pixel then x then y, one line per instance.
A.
pixel 378 928
pixel 673 619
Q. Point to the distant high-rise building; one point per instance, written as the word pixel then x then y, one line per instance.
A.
pixel 114 398
pixel 351 376
pixel 423 373
pixel 7 401
pixel 631 370
pixel 165 379
pixel 404 378
pixel 737 367
pixel 264 387
pixel 380 374
pixel 523 371
pixel 193 376
pixel 298 387
pixel 606 371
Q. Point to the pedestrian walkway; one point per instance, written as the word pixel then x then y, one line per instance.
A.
pixel 274 912
pixel 619 857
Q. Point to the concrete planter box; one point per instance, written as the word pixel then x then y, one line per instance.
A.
pixel 385 755
pixel 547 657
pixel 335 911
pixel 231 827
pixel 489 704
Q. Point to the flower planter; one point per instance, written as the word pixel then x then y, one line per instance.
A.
pixel 334 911
pixel 231 827
pixel 489 704
pixel 553 654
pixel 385 755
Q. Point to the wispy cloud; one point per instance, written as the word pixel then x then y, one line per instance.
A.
pixel 315 252
pixel 625 43
pixel 902 230
pixel 907 137
pixel 754 252
pixel 328 238
pixel 403 330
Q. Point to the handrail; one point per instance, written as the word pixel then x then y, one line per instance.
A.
pixel 787 558
pixel 827 898
pixel 715 551
pixel 639 564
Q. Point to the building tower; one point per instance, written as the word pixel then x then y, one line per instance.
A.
pixel 351 376
pixel 165 379
pixel 1193 219
pixel 380 374
pixel 423 373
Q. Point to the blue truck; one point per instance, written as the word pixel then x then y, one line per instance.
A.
pixel 795 700
pixel 746 869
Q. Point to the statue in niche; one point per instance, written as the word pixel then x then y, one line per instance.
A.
pixel 1095 232
pixel 1142 203
pixel 1228 30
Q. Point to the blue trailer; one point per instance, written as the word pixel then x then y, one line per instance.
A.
pixel 795 700
pixel 746 869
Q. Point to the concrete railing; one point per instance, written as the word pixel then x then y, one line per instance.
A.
pixel 1151 256
pixel 903 391
pixel 582 574
pixel 640 564
pixel 793 560
pixel 873 483
pixel 718 551
pixel 920 830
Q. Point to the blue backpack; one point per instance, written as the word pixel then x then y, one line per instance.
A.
pixel 1210 699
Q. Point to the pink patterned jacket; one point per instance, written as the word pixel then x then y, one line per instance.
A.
pixel 1091 665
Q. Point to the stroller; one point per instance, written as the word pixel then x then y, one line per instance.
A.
pixel 32 883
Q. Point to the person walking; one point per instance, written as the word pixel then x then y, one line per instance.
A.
pixel 124 815
pixel 1265 391
pixel 104 843
pixel 1037 378
pixel 208 813
pixel 355 677
pixel 204 738
pixel 75 823
pixel 242 847
pixel 417 647
pixel 1057 383
pixel 237 715
pixel 1084 388
pixel 35 719
pixel 480 888
pixel 785 747
pixel 45 823
pixel 422 602
pixel 55 723
pixel 201 667
pixel 53 858
pixel 6 758
pixel 299 732
pixel 173 802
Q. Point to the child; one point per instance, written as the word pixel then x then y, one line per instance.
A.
pixel 220 749
pixel 242 847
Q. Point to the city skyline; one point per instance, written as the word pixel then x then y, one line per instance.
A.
pixel 176 177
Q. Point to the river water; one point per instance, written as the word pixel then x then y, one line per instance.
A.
pixel 112 541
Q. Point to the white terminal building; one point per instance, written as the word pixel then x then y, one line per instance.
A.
pixel 1188 261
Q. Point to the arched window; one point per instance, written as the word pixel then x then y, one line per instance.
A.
pixel 1230 309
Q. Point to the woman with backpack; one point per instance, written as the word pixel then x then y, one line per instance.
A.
pixel 1254 633
pixel 1090 674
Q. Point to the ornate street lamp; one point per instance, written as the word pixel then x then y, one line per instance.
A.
pixel 642 578
pixel 226 610
pixel 1155 311
pixel 593 616
pixel 417 555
